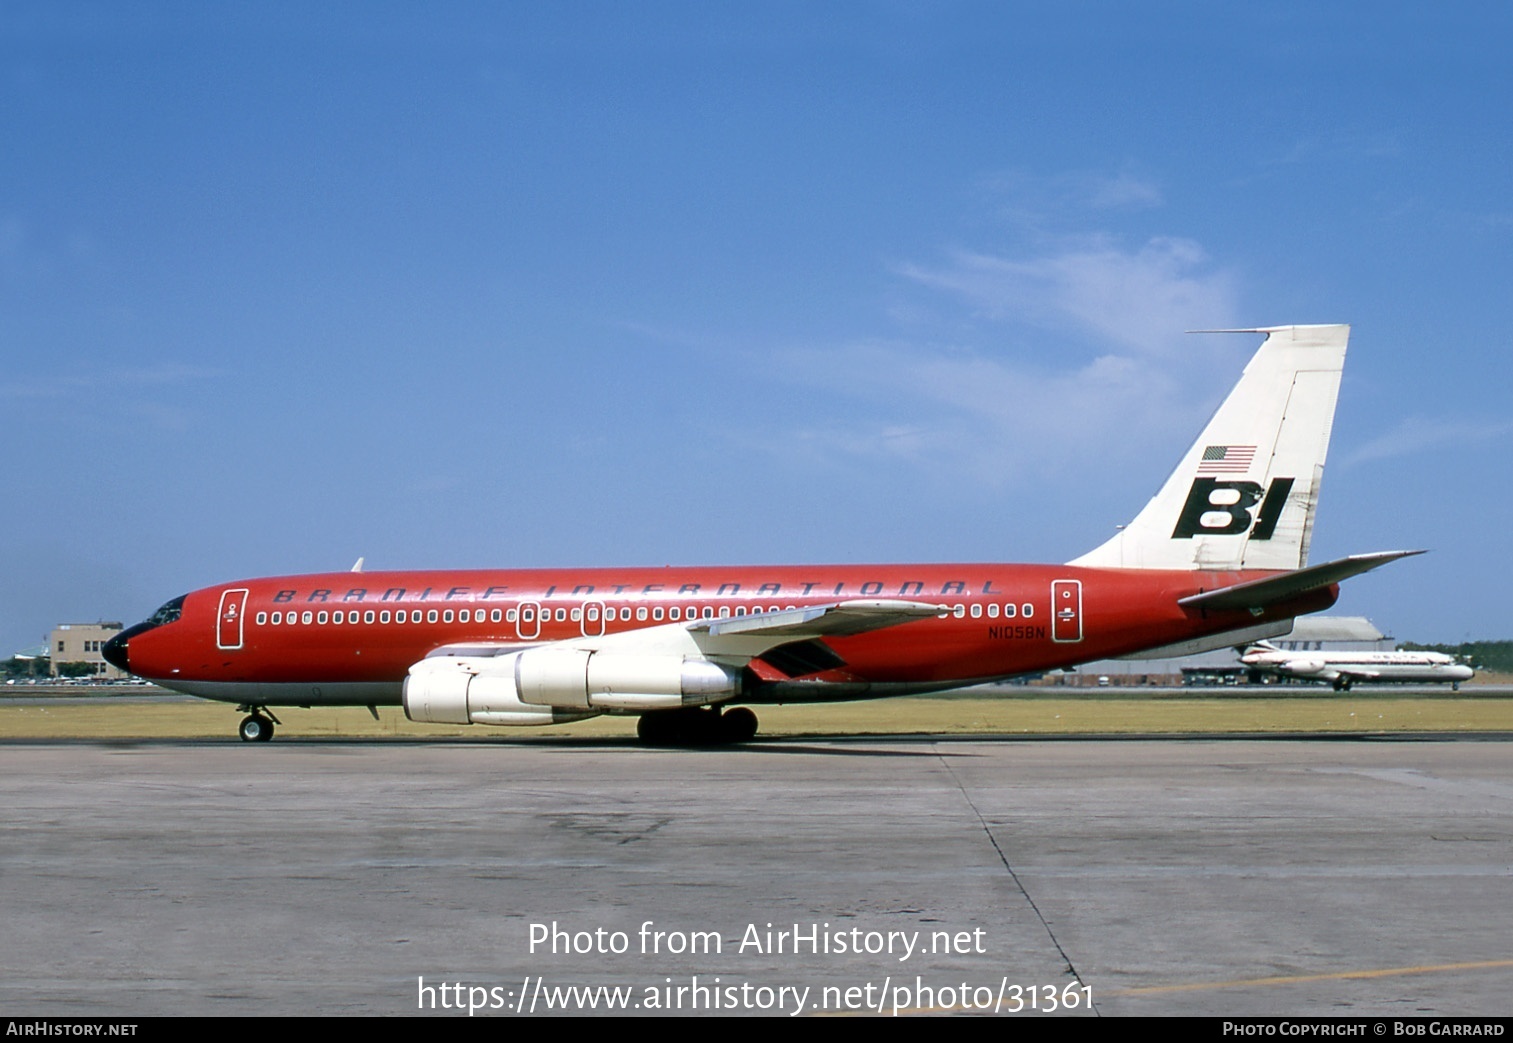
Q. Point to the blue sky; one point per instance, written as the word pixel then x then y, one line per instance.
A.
pixel 582 283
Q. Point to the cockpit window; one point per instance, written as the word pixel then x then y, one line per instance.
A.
pixel 169 612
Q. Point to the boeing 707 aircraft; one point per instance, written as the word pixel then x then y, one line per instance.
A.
pixel 1218 557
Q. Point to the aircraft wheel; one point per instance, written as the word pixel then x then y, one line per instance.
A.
pixel 738 724
pixel 690 727
pixel 255 728
pixel 651 728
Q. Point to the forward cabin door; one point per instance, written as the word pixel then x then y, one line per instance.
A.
pixel 228 626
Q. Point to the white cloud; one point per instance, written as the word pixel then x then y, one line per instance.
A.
pixel 108 380
pixel 1417 434
pixel 956 414
pixel 1089 367
pixel 1034 201
pixel 1123 192
pixel 1135 299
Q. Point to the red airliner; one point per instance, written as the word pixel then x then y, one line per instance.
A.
pixel 1218 557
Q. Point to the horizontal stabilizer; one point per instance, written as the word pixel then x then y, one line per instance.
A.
pixel 1260 593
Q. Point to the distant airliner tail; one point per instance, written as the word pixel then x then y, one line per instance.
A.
pixel 1244 495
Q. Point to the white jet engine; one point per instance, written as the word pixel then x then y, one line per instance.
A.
pixel 552 685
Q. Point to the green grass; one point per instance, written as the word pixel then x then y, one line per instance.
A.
pixel 1038 714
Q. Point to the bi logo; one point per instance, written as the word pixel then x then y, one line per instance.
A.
pixel 1219 508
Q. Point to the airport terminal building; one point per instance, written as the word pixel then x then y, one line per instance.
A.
pixel 82 643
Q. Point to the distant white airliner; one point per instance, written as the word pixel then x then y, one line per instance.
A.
pixel 1342 669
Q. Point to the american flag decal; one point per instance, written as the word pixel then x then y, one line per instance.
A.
pixel 1226 459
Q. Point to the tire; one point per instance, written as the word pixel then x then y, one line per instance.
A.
pixel 255 728
pixel 738 724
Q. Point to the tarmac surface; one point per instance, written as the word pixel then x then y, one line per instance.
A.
pixel 1360 876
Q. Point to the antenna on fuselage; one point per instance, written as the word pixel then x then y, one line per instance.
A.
pixel 357 566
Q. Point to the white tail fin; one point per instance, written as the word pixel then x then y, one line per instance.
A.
pixel 1244 495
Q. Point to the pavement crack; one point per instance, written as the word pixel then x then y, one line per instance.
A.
pixel 1004 859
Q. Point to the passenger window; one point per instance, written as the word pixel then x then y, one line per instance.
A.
pixel 337 617
pixel 641 613
pixel 383 617
pixel 993 610
pixel 464 616
pixel 656 613
pixel 976 611
pixel 1009 611
pixel 368 616
pixel 675 613
pixel 431 616
pixel 262 617
pixel 561 615
pixel 494 616
pixel 320 617
pixel 576 615
pixel 1027 609
pixel 305 617
pixel 959 611
pixel 510 615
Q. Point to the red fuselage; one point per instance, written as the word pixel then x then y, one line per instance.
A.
pixel 350 637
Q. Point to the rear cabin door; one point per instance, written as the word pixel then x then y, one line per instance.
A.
pixel 1066 610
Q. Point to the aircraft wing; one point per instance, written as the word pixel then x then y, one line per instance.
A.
pixel 1356 673
pixel 732 640
pixel 663 667
pixel 842 619
pixel 1259 593
pixel 479 649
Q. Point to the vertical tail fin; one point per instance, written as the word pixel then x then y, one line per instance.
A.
pixel 1244 495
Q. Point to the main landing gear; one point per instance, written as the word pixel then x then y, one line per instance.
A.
pixel 256 727
pixel 696 727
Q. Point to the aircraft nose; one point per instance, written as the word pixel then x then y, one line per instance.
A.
pixel 115 652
